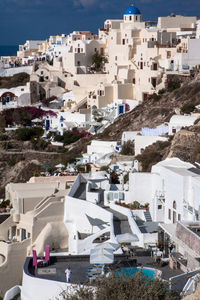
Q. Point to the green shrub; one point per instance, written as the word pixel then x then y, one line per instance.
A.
pixel 4 203
pixel 104 168
pixel 62 150
pixel 135 205
pixel 162 91
pixel 68 137
pixel 156 97
pixel 36 174
pixel 11 161
pixel 187 108
pixel 126 178
pixel 26 134
pixel 173 84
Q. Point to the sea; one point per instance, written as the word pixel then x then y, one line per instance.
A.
pixel 8 50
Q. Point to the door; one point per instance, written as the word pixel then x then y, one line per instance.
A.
pixel 174 217
pixel 121 109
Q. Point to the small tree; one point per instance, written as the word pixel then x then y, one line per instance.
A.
pixel 135 287
pixel 98 61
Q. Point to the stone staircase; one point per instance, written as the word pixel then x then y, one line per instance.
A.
pixel 147 216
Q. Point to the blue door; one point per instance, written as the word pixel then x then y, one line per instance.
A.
pixel 47 124
pixel 121 109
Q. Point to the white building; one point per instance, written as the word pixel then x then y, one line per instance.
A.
pixel 66 121
pixel 15 97
pixel 140 142
pixel 172 189
pixel 180 121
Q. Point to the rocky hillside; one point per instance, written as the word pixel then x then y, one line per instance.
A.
pixel 177 98
pixel 181 95
pixel 157 109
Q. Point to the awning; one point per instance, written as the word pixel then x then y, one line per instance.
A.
pixel 127 238
pixel 101 255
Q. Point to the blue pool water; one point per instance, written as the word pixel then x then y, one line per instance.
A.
pixel 127 272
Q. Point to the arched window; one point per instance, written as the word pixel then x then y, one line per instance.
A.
pixel 174 205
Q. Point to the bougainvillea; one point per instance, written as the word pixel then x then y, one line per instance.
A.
pixel 21 115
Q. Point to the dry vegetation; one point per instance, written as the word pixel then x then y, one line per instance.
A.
pixel 14 81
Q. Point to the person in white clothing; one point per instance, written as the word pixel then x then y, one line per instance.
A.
pixel 68 274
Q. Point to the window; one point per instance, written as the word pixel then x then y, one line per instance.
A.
pixel 169 214
pixel 136 18
pixel 110 196
pixel 174 130
pixel 133 80
pixel 123 42
pixel 121 196
pixel 179 217
pixel 42 72
pixel 101 93
pixel 155 67
pixel 116 196
pixel 174 205
pixel 141 65
pixel 115 57
pixel 168 54
pixel 153 81
pixel 159 206
pixel 95 49
pixel 130 18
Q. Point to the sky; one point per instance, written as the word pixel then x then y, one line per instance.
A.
pixel 22 20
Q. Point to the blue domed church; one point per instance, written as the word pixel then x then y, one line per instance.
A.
pixel 132 14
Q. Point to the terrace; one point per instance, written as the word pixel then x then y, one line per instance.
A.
pixel 79 264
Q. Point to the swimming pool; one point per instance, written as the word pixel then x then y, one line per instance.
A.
pixel 127 272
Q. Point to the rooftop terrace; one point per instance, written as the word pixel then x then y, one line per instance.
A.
pixel 79 265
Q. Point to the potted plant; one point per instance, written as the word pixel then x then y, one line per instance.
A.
pixel 146 206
